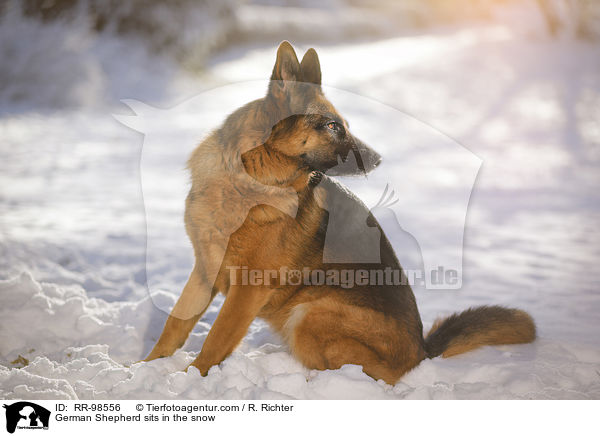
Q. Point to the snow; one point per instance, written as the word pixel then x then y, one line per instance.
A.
pixel 76 211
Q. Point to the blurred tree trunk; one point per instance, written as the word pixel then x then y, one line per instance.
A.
pixel 580 17
pixel 550 16
pixel 585 18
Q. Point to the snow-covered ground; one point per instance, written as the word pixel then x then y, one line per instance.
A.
pixel 74 303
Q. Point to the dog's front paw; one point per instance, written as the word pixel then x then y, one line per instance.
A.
pixel 202 368
pixel 315 177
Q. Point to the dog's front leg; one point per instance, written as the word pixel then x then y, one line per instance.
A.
pixel 192 303
pixel 241 306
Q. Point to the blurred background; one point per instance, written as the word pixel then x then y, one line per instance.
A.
pixel 515 82
pixel 87 52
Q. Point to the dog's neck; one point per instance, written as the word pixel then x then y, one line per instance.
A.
pixel 273 168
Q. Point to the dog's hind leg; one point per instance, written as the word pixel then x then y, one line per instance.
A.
pixel 192 303
pixel 330 334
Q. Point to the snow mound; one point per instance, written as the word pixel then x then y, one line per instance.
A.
pixel 87 346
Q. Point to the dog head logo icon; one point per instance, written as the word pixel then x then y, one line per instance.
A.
pixel 26 415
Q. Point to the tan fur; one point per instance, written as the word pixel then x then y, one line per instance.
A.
pixel 253 202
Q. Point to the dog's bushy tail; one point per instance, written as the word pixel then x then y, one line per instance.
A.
pixel 478 326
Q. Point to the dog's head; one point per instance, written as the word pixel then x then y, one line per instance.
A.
pixel 306 127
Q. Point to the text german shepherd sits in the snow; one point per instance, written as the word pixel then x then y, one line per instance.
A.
pixel 259 199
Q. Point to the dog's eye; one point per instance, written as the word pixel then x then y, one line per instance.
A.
pixel 333 125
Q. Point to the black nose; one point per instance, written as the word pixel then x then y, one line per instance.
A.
pixel 377 160
pixel 371 158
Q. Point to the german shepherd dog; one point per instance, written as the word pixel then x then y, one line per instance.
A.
pixel 260 199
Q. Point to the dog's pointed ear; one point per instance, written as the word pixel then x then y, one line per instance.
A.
pixel 286 66
pixel 311 68
pixel 286 69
